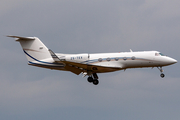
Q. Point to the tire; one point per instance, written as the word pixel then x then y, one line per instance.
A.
pixel 95 82
pixel 90 79
pixel 162 75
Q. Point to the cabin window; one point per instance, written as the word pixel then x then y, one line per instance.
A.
pixel 124 58
pixel 108 59
pixel 133 58
pixel 116 58
pixel 100 59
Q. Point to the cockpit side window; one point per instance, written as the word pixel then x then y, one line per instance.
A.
pixel 159 54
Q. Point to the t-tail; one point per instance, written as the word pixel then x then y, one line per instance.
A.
pixel 35 50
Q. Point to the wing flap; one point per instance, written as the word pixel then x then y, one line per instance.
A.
pixel 77 68
pixel 73 69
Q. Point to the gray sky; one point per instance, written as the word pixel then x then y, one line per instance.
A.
pixel 68 26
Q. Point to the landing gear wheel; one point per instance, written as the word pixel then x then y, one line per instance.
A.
pixel 95 82
pixel 90 79
pixel 162 75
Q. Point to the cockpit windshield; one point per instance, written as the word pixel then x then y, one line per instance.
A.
pixel 159 54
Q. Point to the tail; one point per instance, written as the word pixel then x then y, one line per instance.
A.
pixel 34 49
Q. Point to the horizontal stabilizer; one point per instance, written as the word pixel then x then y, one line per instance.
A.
pixel 21 38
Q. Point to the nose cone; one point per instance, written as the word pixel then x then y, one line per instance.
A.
pixel 172 61
pixel 165 61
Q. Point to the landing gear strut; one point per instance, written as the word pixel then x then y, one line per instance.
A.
pixel 161 70
pixel 95 80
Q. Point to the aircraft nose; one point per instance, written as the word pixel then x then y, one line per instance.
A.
pixel 175 61
pixel 172 61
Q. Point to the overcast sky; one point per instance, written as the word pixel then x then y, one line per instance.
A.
pixel 81 26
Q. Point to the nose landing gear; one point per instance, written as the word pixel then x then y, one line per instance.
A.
pixel 162 75
pixel 161 70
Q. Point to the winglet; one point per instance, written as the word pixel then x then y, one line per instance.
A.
pixel 68 67
pixel 131 50
pixel 54 56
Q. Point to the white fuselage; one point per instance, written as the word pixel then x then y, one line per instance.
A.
pixel 121 60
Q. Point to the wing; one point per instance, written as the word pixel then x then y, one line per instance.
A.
pixel 77 68
pixel 93 68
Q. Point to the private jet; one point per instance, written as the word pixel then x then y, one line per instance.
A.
pixel 90 64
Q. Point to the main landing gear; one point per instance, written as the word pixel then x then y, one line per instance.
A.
pixel 93 80
pixel 161 70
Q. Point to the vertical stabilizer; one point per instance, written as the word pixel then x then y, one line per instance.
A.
pixel 34 49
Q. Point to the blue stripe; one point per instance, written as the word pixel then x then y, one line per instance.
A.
pixel 36 59
pixel 55 65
